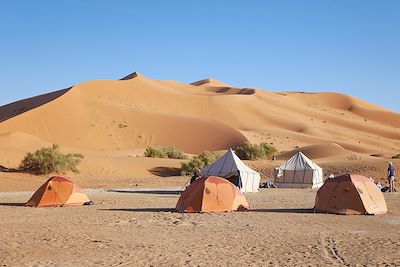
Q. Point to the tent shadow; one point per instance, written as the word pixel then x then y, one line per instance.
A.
pixel 155 192
pixel 11 204
pixel 283 210
pixel 143 210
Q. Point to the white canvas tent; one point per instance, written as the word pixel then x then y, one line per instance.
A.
pixel 299 172
pixel 232 168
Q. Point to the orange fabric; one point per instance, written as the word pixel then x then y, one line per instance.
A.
pixel 57 191
pixel 350 194
pixel 211 194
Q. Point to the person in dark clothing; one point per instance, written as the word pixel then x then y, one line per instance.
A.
pixel 391 173
pixel 239 180
pixel 195 175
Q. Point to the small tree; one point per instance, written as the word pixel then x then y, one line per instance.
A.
pixel 198 162
pixel 49 159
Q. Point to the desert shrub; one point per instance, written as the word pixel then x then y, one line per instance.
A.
pixel 268 150
pixel 170 152
pixel 396 157
pixel 49 159
pixel 154 152
pixel 174 153
pixel 248 151
pixel 198 162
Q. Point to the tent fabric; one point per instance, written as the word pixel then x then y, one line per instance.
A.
pixel 299 172
pixel 229 165
pixel 212 194
pixel 58 191
pixel 350 194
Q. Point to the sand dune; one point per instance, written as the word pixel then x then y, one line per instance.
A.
pixel 136 111
pixel 210 82
pixel 16 108
pixel 347 103
pixel 317 151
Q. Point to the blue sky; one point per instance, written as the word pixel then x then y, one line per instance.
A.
pixel 349 46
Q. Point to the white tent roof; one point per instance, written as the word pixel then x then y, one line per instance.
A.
pixel 299 161
pixel 228 164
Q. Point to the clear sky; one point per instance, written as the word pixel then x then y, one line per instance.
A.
pixel 349 46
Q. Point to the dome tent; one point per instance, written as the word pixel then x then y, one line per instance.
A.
pixel 58 191
pixel 212 194
pixel 350 194
pixel 299 172
pixel 229 166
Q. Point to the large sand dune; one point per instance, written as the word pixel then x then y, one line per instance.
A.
pixel 136 112
pixel 111 122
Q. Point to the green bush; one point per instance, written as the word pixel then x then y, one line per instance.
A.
pixel 198 162
pixel 268 149
pixel 170 152
pixel 153 152
pixel 248 151
pixel 49 159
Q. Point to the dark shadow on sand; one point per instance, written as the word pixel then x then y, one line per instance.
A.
pixel 143 210
pixel 6 169
pixel 165 171
pixel 16 108
pixel 154 192
pixel 283 210
pixel 10 204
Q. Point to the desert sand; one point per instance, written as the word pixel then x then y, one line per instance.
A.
pixel 140 229
pixel 112 122
pixel 136 112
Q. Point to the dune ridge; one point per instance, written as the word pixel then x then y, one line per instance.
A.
pixel 14 109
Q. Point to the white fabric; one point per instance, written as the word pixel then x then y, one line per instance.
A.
pixel 229 164
pixel 300 163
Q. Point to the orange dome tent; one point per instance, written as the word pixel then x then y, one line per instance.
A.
pixel 58 191
pixel 211 194
pixel 350 194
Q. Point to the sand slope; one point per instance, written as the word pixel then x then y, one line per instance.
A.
pixel 136 112
pixel 111 122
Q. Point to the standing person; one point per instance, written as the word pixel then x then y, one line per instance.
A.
pixel 391 173
pixel 195 175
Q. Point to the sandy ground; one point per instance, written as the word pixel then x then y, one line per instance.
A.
pixel 140 229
